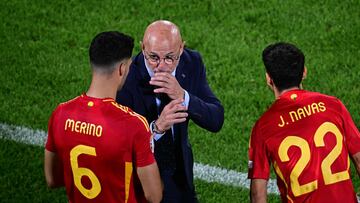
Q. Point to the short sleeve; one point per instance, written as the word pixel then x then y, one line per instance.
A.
pixel 50 144
pixel 142 146
pixel 352 135
pixel 258 165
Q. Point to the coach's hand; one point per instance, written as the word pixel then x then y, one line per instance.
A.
pixel 167 84
pixel 174 112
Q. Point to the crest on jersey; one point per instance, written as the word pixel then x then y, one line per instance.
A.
pixel 293 96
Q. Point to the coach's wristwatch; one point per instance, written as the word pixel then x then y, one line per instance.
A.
pixel 155 129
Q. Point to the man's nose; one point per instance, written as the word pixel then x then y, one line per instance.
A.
pixel 162 66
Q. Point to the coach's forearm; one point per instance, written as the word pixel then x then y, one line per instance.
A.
pixel 209 116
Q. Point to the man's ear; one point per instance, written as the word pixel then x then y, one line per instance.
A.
pixel 121 69
pixel 304 73
pixel 142 45
pixel 182 45
pixel 124 67
pixel 269 81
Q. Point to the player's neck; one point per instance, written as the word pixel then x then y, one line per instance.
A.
pixel 102 89
pixel 279 93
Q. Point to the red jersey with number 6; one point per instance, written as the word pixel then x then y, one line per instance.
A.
pixel 100 144
pixel 307 137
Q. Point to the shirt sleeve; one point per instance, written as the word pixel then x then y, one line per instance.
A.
pixel 142 146
pixel 186 99
pixel 50 144
pixel 352 135
pixel 258 165
pixel 157 136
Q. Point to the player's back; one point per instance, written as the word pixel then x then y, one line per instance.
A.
pixel 96 140
pixel 308 137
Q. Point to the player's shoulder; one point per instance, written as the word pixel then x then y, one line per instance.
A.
pixel 65 104
pixel 120 110
pixel 268 114
pixel 321 95
pixel 72 101
pixel 127 114
pixel 263 120
pixel 328 99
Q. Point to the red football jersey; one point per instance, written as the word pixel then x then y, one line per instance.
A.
pixel 100 144
pixel 307 137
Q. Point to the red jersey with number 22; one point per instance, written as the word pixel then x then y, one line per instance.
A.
pixel 307 137
pixel 100 144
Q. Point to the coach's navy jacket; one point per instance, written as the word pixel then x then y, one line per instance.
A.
pixel 204 108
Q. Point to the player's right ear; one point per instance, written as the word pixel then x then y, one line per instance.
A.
pixel 269 81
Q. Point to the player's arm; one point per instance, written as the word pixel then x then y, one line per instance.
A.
pixel 352 137
pixel 258 192
pixel 150 180
pixel 356 160
pixel 146 166
pixel 53 170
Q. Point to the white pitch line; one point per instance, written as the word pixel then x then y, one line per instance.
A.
pixel 228 177
pixel 201 171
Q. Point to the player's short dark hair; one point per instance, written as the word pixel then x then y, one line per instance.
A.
pixel 284 62
pixel 108 48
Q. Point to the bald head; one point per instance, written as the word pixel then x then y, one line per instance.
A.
pixel 165 34
pixel 162 40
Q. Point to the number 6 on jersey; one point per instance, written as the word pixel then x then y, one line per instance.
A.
pixel 79 172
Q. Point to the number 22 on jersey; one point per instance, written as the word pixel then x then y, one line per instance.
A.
pixel 305 156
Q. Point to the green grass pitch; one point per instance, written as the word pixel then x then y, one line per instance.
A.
pixel 44 61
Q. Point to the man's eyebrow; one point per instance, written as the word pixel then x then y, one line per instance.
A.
pixel 170 53
pixel 152 53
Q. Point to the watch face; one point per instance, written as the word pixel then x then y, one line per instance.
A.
pixel 152 127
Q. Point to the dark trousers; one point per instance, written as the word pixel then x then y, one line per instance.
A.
pixel 175 188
